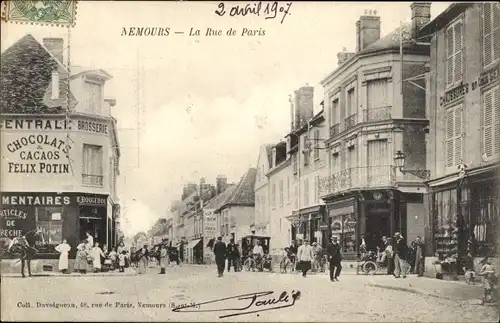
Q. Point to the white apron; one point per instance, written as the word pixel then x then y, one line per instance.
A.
pixel 63 248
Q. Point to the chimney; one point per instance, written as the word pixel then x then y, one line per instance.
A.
pixel 304 104
pixel 296 110
pixel 292 113
pixel 55 46
pixel 367 29
pixel 55 85
pixel 344 56
pixel 420 16
pixel 221 184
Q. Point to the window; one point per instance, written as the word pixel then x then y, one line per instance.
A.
pixel 453 136
pixel 491 122
pixel 295 164
pixel 50 220
pixel 491 33
pixel 94 99
pixel 334 118
pixel 316 145
pixel 306 150
pixel 454 43
pixel 273 195
pixel 281 193
pixel 306 192
pixel 377 107
pixel 351 101
pixel 288 193
pixel 335 163
pixel 92 165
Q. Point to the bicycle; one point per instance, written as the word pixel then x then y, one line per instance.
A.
pixel 250 264
pixel 285 265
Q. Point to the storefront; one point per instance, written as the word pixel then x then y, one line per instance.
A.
pixel 463 218
pixel 60 216
pixel 310 224
pixel 371 215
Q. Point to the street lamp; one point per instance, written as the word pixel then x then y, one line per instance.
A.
pixel 399 160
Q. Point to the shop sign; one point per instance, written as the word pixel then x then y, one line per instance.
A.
pixel 460 91
pixel 38 153
pixel 209 224
pixel 91 200
pixel 35 199
pixel 92 126
pixel 33 124
pixel 15 221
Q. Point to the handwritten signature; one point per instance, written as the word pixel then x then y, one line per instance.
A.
pixel 269 9
pixel 245 303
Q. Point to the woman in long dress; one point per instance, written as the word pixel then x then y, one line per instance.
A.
pixel 97 253
pixel 81 257
pixel 63 249
pixel 143 259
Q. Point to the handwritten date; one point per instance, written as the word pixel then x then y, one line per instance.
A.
pixel 270 10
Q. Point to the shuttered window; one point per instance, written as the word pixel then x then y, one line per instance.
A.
pixel 491 122
pixel 334 118
pixel 335 163
pixel 454 59
pixel 316 145
pixel 491 33
pixel 454 136
pixel 306 151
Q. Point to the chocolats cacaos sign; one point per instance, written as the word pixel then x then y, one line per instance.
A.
pixel 37 153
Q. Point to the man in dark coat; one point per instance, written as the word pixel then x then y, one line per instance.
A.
pixel 220 255
pixel 230 256
pixel 400 253
pixel 335 258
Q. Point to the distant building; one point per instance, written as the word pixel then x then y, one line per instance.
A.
pixel 58 173
pixel 262 214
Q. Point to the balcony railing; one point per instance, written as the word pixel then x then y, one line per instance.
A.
pixel 358 178
pixel 350 121
pixel 377 114
pixel 335 130
pixel 94 180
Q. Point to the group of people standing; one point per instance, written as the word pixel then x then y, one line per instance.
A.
pixel 394 253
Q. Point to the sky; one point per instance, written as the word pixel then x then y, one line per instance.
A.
pixel 201 106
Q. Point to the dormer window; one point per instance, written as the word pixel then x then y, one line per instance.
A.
pixel 94 97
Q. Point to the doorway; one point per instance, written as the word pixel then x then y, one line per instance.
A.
pixel 378 225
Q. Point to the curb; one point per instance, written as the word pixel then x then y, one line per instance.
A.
pixel 48 274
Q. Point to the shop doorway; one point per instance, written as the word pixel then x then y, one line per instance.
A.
pixel 93 220
pixel 378 225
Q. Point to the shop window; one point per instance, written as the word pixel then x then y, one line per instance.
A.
pixel 344 227
pixel 50 220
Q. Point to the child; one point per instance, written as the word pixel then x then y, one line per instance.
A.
pixel 470 273
pixel 489 281
pixel 121 261
pixel 113 256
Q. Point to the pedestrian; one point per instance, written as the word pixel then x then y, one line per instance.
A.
pixel 113 255
pixel 142 257
pixel 400 253
pixel 489 282
pixel 121 247
pixel 163 258
pixel 293 254
pixel 305 257
pixel 236 257
pixel 63 249
pixel 96 254
pixel 229 250
pixel 389 256
pixel 90 240
pixel 220 256
pixel 81 264
pixel 335 259
pixel 121 261
pixel 418 247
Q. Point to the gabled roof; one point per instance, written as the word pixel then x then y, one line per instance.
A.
pixel 222 198
pixel 99 73
pixel 444 18
pixel 391 41
pixel 26 77
pixel 244 194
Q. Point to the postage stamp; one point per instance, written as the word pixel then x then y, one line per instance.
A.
pixel 49 12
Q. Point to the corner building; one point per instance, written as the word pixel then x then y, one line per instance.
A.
pixel 372 114
pixel 59 172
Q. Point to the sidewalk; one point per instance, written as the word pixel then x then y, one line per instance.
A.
pixel 452 290
pixel 129 272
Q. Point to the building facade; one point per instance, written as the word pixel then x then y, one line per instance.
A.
pixel 309 164
pixel 262 215
pixel 372 113
pixel 463 107
pixel 72 158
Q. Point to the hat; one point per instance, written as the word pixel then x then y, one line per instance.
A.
pixel 314 243
pixel 397 234
pixel 334 237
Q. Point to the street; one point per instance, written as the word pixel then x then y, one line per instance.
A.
pixel 151 297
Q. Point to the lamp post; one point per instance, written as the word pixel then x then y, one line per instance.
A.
pixel 400 159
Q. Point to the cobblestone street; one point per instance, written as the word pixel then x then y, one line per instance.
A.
pixel 354 298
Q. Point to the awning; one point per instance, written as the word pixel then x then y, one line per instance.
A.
pixel 444 181
pixel 193 243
